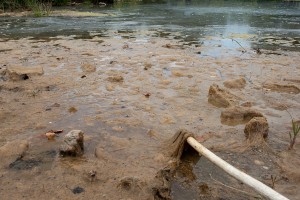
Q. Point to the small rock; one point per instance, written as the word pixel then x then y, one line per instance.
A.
pixel 147 66
pixel 220 97
pixel 72 109
pixel 147 95
pixel 125 46
pixel 258 162
pixel 77 190
pixel 235 83
pixel 73 144
pixel 257 127
pixel 265 167
pixel 92 175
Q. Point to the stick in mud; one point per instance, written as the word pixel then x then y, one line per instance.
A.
pixel 177 144
pixel 239 175
pixel 240 45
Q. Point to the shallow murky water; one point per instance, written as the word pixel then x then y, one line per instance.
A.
pixel 271 25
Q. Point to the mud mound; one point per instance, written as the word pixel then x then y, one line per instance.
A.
pixel 116 79
pixel 256 128
pixel 16 73
pixel 173 149
pixel 220 97
pixel 235 83
pixel 238 115
pixel 282 88
pixel 88 68
pixel 175 145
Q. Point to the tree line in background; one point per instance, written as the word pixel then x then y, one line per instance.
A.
pixel 46 5
pixel 13 5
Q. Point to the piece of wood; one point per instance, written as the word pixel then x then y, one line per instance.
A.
pixel 241 176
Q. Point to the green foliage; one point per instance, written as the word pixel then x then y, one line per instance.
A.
pixel 39 9
pixel 12 4
pixel 87 4
pixel 293 134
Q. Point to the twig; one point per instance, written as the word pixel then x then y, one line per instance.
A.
pixel 274 180
pixel 117 150
pixel 239 44
pixel 289 114
pixel 295 131
pixel 258 186
pixel 256 196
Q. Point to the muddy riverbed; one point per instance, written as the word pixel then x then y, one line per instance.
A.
pixel 129 95
pixel 130 86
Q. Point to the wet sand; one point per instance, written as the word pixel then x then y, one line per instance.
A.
pixel 129 95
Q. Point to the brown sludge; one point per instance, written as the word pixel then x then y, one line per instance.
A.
pixel 220 97
pixel 110 107
pixel 235 83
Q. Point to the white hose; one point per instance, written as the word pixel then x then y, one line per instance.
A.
pixel 241 176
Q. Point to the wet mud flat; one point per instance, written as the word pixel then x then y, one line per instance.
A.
pixel 129 95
